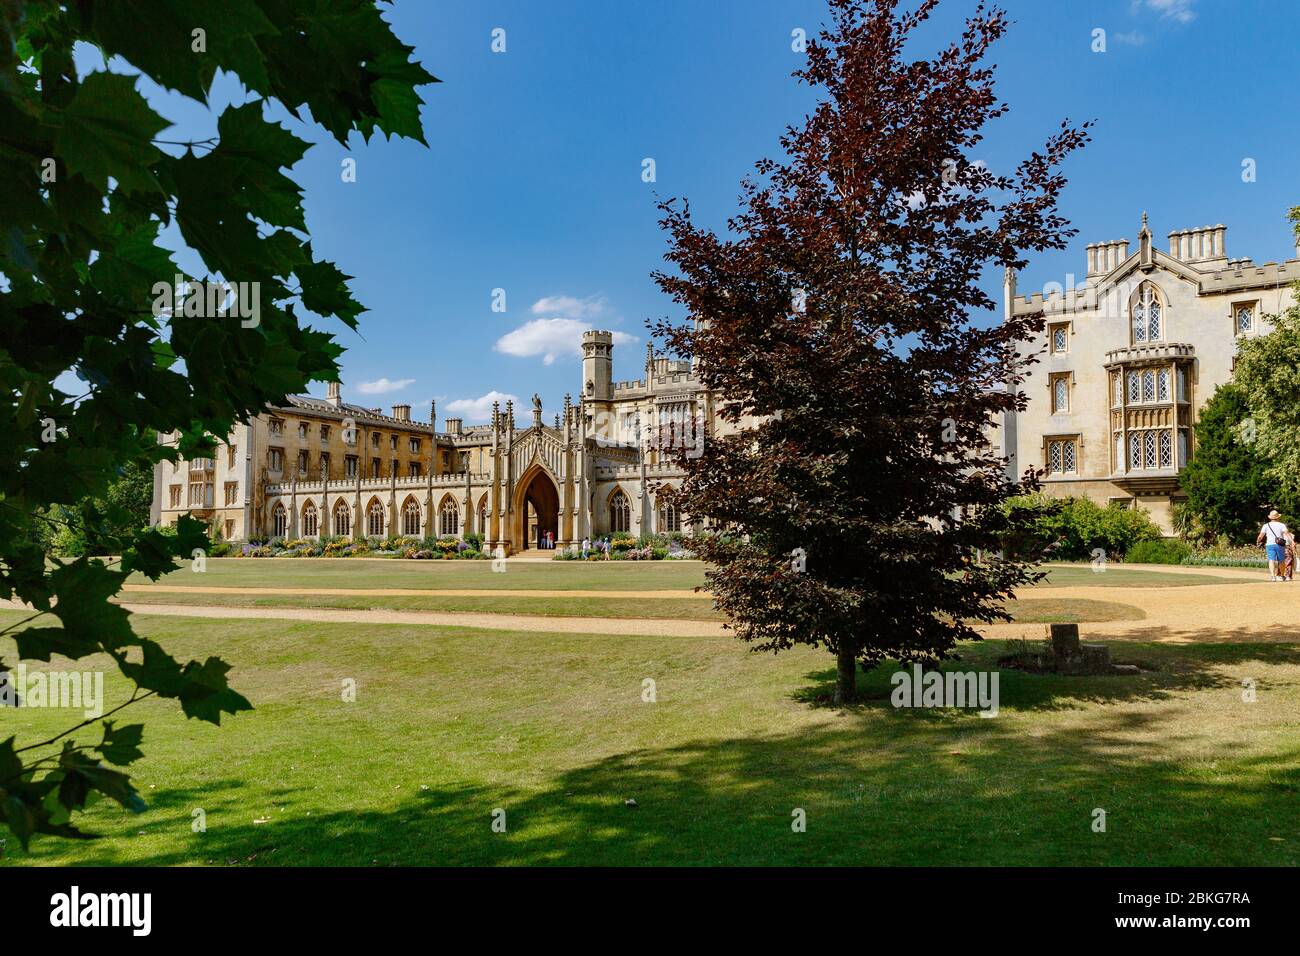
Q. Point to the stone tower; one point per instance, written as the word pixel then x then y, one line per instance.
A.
pixel 597 365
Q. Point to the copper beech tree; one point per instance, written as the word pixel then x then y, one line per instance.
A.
pixel 842 321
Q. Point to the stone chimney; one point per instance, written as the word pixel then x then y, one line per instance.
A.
pixel 333 394
pixel 402 413
pixel 1204 244
pixel 1103 257
pixel 453 426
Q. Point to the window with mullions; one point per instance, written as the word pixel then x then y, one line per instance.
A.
pixel 1152 448
pixel 1062 456
pixel 1148 316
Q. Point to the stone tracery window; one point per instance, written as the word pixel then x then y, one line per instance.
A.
pixel 309 520
pixel 669 518
pixel 449 518
pixel 375 519
pixel 342 520
pixel 279 521
pixel 620 513
pixel 1148 316
pixel 411 517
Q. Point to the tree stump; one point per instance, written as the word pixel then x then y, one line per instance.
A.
pixel 1065 641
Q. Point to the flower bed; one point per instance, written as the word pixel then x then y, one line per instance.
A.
pixel 401 548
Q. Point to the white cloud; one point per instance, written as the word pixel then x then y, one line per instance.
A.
pixel 381 386
pixel 570 307
pixel 476 410
pixel 1180 10
pixel 1130 39
pixel 550 338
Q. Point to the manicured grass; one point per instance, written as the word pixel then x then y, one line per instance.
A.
pixel 1115 576
pixel 1046 610
pixel 686 609
pixel 343 573
pixel 450 724
pixel 340 574
pixel 1030 611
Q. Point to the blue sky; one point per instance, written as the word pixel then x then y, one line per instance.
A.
pixel 532 179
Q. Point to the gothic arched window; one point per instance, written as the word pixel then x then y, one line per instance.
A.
pixel 280 521
pixel 620 513
pixel 449 518
pixel 342 520
pixel 411 517
pixel 375 520
pixel 309 520
pixel 1148 315
pixel 669 518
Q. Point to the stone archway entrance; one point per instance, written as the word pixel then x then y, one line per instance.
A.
pixel 537 510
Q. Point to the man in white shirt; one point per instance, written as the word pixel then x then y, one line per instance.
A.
pixel 1273 537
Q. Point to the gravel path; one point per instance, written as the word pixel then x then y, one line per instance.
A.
pixel 1209 613
pixel 497 622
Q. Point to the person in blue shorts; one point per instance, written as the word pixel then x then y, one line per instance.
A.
pixel 1273 537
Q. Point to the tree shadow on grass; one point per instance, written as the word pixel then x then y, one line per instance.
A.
pixel 1166 671
pixel 873 787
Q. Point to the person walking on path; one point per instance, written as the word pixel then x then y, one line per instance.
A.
pixel 1289 544
pixel 1273 537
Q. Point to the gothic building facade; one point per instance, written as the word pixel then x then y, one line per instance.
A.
pixel 322 467
pixel 1127 358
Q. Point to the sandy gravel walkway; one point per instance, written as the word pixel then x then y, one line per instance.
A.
pixel 498 622
pixel 411 592
pixel 1214 613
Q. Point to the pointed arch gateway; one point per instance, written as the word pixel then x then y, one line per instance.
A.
pixel 537 508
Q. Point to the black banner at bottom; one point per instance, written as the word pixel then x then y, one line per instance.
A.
pixel 218 904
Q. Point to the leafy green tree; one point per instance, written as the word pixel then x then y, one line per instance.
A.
pixel 1072 528
pixel 104 525
pixel 1226 481
pixel 1268 371
pixel 87 184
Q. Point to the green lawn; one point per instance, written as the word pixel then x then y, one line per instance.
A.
pixel 1035 611
pixel 697 609
pixel 1082 575
pixel 451 724
pixel 343 573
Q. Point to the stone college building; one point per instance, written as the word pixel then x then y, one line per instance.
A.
pixel 322 467
pixel 1127 359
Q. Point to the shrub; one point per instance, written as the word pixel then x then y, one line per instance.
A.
pixel 1071 528
pixel 1163 551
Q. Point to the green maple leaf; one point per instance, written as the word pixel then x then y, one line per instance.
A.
pixel 108 131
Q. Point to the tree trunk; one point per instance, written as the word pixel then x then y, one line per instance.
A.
pixel 846 672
